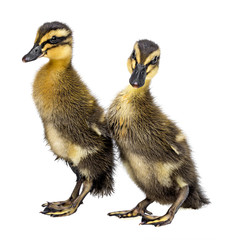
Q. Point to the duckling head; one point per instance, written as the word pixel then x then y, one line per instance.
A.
pixel 143 63
pixel 53 40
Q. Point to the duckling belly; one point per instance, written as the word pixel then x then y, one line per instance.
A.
pixel 58 144
pixel 155 178
pixel 139 171
pixel 64 148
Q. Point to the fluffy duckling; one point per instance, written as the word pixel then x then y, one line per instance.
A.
pixel 152 148
pixel 74 123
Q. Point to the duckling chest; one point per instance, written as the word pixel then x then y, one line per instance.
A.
pixel 45 93
pixel 120 116
pixel 134 127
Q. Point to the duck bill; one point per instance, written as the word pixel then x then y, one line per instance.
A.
pixel 138 76
pixel 33 54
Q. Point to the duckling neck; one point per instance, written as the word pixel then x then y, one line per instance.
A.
pixel 59 64
pixel 132 92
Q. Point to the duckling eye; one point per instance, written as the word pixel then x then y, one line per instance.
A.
pixel 53 39
pixel 154 61
pixel 133 55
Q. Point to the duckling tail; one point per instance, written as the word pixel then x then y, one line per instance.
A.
pixel 103 186
pixel 196 198
pixel 103 183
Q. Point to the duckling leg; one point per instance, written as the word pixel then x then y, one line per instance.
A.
pixel 168 217
pixel 87 185
pixel 63 204
pixel 139 210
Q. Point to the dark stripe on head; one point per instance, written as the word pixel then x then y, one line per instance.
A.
pixel 58 40
pixel 57 46
pixel 49 26
pixel 147 47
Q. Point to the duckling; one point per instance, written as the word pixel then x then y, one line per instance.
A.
pixel 152 148
pixel 74 123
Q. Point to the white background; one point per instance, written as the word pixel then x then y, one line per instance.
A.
pixel 192 87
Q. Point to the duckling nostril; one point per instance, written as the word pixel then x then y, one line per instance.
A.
pixel 142 72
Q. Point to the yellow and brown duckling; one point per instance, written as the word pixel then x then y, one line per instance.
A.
pixel 74 123
pixel 152 148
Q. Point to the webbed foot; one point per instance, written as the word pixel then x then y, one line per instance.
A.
pixel 66 208
pixel 139 210
pixel 58 205
pixel 168 217
pixel 65 211
pixel 128 213
pixel 157 221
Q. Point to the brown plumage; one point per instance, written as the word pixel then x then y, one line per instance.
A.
pixel 152 148
pixel 74 123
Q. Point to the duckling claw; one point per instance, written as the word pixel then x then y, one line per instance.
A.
pixel 45 204
pixel 59 213
pixel 61 205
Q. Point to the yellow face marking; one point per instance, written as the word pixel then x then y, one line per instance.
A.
pixel 133 64
pixel 152 72
pixel 150 68
pixel 48 45
pixel 60 52
pixel 58 33
pixel 129 65
pixel 137 51
pixel 151 56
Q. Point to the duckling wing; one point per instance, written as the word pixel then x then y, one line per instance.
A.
pixel 100 128
pixel 178 144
